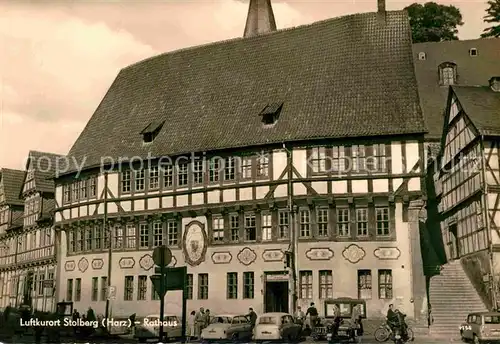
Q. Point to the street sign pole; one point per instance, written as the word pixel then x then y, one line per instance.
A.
pixel 162 256
pixel 184 306
pixel 162 297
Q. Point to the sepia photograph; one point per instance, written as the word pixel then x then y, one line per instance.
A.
pixel 249 171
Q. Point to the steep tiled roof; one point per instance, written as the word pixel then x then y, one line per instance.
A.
pixel 471 70
pixel 12 181
pixel 482 106
pixel 351 76
pixel 45 166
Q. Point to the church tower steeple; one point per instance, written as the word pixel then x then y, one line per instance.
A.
pixel 260 18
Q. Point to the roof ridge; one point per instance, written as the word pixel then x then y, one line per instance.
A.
pixel 456 41
pixel 235 39
pixel 46 153
pixel 10 170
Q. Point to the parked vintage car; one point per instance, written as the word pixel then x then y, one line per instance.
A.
pixel 150 329
pixel 346 330
pixel 276 326
pixel 481 327
pixel 231 327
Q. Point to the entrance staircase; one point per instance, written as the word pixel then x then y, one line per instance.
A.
pixel 452 297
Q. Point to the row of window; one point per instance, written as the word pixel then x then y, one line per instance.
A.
pixel 353 159
pixel 325 287
pixel 229 228
pixel 137 290
pixel 196 173
pixel 80 190
pixel 129 236
pixel 345 224
pixel 26 242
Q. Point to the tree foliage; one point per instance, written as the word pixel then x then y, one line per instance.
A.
pixel 492 16
pixel 432 22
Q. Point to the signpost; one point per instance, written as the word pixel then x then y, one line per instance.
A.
pixel 169 279
pixel 111 293
pixel 162 256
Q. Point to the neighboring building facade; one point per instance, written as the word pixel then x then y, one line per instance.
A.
pixel 469 177
pixel 11 220
pixel 265 131
pixel 28 265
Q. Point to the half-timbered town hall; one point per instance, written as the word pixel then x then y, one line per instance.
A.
pixel 306 140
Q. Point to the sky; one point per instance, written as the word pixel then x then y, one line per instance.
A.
pixel 58 58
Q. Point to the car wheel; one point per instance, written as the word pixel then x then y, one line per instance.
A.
pixel 234 337
pixel 476 340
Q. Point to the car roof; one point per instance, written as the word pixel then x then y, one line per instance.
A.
pixel 485 313
pixel 224 315
pixel 274 314
pixel 158 315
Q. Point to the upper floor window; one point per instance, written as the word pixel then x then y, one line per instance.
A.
pixel 338 159
pixel 358 158
pixel 2 195
pixel 378 158
pixel 126 181
pixel 214 166
pixel 246 167
pixel 447 73
pixel 343 222
pixel 154 178
pixel 382 218
pixel 229 171
pixel 140 180
pixel 198 172
pixel 182 175
pixel 218 228
pixel 262 167
pixel 318 159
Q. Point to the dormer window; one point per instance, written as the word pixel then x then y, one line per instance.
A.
pixel 151 131
pixel 447 74
pixel 473 52
pixel 270 114
pixel 422 56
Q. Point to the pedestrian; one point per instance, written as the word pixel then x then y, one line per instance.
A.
pixel 190 333
pixel 300 315
pixel 252 316
pixel 313 316
pixel 206 319
pixel 198 322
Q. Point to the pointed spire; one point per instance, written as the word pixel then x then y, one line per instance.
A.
pixel 260 18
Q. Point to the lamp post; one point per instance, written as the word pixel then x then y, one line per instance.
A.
pixel 110 248
pixel 293 248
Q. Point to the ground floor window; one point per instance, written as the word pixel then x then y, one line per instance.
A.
pixel 385 284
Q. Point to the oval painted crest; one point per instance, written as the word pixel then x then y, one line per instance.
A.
pixel 83 264
pixel 194 243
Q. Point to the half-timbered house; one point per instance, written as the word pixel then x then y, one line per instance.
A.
pixel 11 220
pixel 28 259
pixel 225 151
pixel 439 65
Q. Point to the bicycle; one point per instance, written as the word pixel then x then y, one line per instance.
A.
pixel 384 331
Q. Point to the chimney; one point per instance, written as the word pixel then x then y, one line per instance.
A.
pixel 381 6
pixel 495 83
pixel 260 18
pixel 381 11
